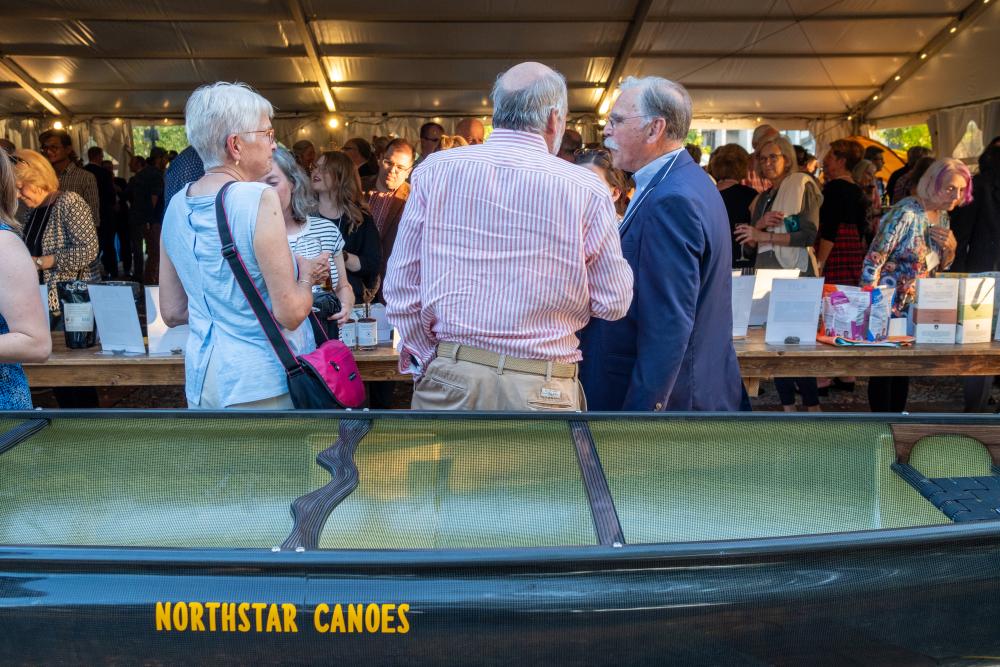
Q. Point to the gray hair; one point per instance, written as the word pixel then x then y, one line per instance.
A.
pixel 662 98
pixel 527 109
pixel 787 152
pixel 303 201
pixel 219 110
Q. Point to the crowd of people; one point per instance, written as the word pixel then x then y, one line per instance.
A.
pixel 522 271
pixel 852 229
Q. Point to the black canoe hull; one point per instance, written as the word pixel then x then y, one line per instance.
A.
pixel 916 596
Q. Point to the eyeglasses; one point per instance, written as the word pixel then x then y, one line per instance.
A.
pixel 952 192
pixel 15 160
pixel 614 121
pixel 268 133
pixel 392 166
pixel 48 148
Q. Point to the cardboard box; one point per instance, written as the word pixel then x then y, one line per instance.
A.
pixel 935 311
pixel 975 310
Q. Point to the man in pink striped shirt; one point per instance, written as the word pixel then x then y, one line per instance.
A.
pixel 504 252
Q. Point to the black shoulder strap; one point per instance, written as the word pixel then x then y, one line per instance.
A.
pixel 264 316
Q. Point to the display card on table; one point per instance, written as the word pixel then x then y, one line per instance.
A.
pixel 762 292
pixel 975 310
pixel 117 319
pixel 742 303
pixel 793 313
pixel 162 339
pixel 935 311
pixel 43 291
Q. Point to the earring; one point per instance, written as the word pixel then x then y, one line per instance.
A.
pixel 237 163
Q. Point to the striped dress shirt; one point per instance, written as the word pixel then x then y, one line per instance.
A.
pixel 507 248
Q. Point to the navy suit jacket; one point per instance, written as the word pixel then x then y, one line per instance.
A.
pixel 674 349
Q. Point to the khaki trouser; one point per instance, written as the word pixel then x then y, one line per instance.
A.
pixel 451 384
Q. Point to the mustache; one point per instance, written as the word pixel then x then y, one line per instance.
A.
pixel 611 144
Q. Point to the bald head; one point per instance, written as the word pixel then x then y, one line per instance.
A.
pixel 472 130
pixel 525 96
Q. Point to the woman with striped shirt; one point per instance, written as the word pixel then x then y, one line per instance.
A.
pixel 310 235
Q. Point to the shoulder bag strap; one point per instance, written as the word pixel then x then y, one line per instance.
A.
pixel 264 316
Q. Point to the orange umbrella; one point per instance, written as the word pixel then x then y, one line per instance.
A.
pixel 893 159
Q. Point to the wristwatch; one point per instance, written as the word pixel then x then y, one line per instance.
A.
pixel 38 263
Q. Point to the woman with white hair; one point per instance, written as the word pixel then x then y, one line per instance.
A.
pixel 24 331
pixel 229 362
pixel 914 240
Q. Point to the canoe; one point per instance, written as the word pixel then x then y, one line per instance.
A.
pixel 174 537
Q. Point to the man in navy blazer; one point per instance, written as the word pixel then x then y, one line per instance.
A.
pixel 674 349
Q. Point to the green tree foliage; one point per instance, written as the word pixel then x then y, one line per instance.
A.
pixel 171 138
pixel 903 138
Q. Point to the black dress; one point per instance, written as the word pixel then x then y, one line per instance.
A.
pixel 737 199
pixel 364 243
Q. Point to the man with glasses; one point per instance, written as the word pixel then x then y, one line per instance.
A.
pixel 430 140
pixel 505 252
pixel 386 204
pixel 674 349
pixel 57 147
pixel 388 198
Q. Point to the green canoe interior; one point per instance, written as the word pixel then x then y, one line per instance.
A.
pixel 434 483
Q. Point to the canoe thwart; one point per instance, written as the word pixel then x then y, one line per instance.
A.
pixel 20 433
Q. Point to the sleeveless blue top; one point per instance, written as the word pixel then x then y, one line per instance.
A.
pixel 14 392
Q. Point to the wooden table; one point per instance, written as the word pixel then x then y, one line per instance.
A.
pixel 92 368
pixel 74 368
pixel 759 360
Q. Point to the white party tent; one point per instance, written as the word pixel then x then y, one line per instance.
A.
pixel 831 66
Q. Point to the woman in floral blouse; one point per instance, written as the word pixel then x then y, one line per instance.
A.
pixel 58 226
pixel 913 241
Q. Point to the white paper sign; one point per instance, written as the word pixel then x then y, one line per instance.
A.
pixel 43 291
pixel 384 328
pixel 762 292
pixel 742 302
pixel 162 339
pixel 117 319
pixel 793 312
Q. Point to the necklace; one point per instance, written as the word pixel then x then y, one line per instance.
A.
pixel 227 171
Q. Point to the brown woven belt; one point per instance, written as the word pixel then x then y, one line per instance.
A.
pixel 504 363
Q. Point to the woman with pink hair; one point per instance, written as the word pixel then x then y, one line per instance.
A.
pixel 914 240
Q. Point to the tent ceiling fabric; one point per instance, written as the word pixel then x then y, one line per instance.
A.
pixel 810 58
